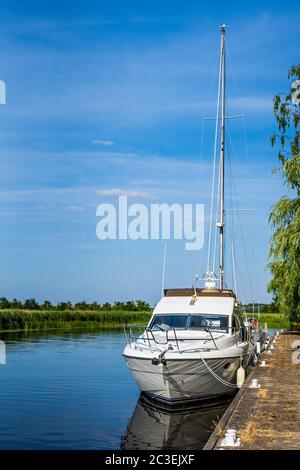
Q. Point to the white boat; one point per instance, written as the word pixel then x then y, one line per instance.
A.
pixel 192 347
pixel 196 340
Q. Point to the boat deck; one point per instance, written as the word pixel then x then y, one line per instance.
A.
pixel 267 418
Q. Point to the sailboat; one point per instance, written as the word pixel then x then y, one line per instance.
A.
pixel 196 341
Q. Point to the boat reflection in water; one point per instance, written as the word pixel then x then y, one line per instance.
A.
pixel 158 428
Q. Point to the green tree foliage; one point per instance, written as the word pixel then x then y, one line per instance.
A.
pixel 118 306
pixel 260 308
pixel 94 306
pixel 47 305
pixel 64 306
pixel 285 215
pixel 141 305
pixel 106 306
pixel 32 304
pixel 81 306
pixel 4 303
pixel 16 304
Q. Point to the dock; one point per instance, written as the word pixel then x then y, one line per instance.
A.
pixel 265 413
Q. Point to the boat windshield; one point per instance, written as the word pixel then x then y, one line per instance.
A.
pixel 200 321
pixel 214 322
pixel 164 322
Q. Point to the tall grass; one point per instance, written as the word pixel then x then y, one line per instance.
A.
pixel 20 319
pixel 13 320
pixel 273 320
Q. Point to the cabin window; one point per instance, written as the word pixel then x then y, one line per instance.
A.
pixel 214 322
pixel 163 322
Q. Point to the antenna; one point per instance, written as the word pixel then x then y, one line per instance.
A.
pixel 195 283
pixel 164 270
pixel 233 269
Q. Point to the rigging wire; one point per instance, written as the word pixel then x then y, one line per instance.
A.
pixel 232 200
pixel 216 220
pixel 252 272
pixel 231 203
pixel 214 72
pixel 239 223
pixel 234 270
pixel 214 168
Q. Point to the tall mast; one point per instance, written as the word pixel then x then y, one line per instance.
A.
pixel 222 155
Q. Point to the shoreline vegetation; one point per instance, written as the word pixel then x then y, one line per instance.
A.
pixel 32 316
pixel 25 320
pixel 42 320
pixel 273 320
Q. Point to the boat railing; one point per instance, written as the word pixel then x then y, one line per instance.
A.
pixel 128 331
pixel 212 338
pixel 239 336
pixel 146 335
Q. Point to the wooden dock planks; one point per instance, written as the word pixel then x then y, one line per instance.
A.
pixel 267 418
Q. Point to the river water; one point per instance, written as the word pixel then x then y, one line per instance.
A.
pixel 74 391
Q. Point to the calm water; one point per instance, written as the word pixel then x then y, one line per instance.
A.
pixel 74 391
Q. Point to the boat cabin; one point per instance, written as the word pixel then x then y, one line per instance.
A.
pixel 196 309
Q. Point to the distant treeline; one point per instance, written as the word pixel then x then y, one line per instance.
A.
pixel 32 304
pixel 261 308
pixel 129 306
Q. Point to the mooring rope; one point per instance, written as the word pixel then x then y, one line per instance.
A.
pixel 223 381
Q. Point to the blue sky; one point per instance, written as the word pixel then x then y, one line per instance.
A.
pixel 111 95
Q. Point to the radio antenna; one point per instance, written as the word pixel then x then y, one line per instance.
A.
pixel 164 270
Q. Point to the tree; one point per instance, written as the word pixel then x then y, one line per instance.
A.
pixel 130 306
pixel 31 304
pixel 81 306
pixel 16 304
pixel 142 305
pixel 106 306
pixel 285 215
pixel 94 306
pixel 47 305
pixel 118 306
pixel 64 306
pixel 4 303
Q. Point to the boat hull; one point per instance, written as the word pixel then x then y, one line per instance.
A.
pixel 180 380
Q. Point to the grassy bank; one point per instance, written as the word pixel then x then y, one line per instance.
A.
pixel 273 320
pixel 25 320
pixel 13 320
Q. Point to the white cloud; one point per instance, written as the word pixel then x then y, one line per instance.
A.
pixel 103 142
pixel 116 192
pixel 147 181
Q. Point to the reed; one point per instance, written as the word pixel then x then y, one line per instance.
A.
pixel 13 320
pixel 273 320
pixel 22 319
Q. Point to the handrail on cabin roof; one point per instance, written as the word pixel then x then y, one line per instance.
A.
pixel 204 292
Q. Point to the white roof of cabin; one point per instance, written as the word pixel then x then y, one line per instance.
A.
pixel 202 305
